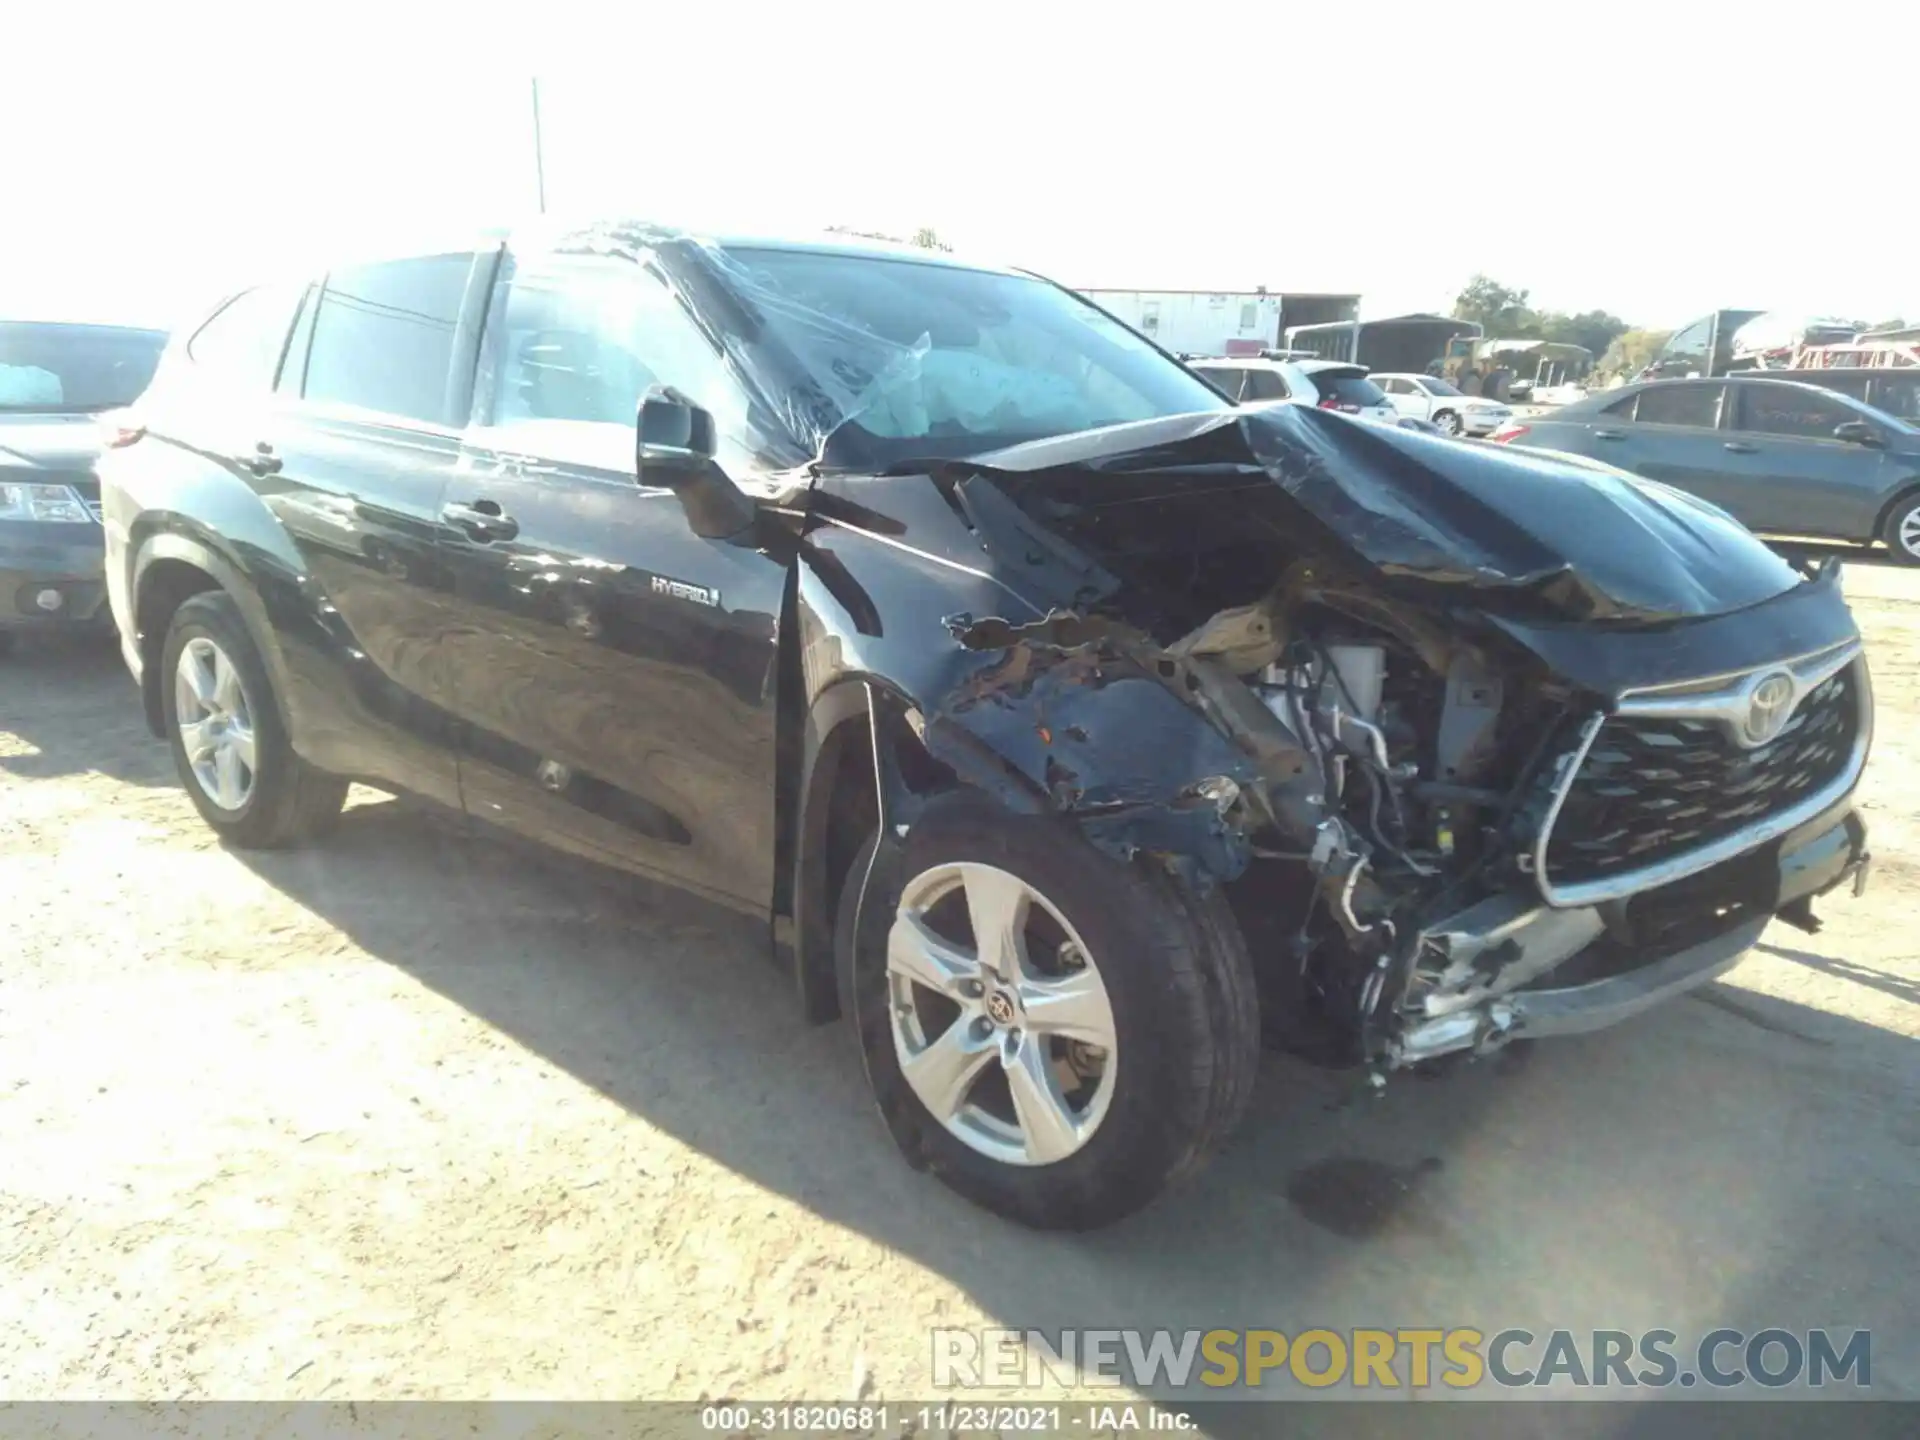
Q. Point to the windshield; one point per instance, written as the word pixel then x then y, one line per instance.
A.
pixel 930 360
pixel 51 368
pixel 1436 386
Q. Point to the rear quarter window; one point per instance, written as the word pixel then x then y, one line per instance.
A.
pixel 1349 390
pixel 1228 380
pixel 1694 405
pixel 1266 385
pixel 241 344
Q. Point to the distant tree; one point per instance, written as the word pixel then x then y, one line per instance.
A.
pixel 925 238
pixel 1500 310
pixel 1593 329
pixel 1896 323
pixel 1632 351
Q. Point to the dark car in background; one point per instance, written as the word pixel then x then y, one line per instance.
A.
pixel 1062 725
pixel 1781 456
pixel 56 378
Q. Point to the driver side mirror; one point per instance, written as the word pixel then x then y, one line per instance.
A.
pixel 1858 432
pixel 674 449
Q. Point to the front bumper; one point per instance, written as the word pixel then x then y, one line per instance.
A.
pixel 66 562
pixel 1474 422
pixel 1819 857
pixel 1629 969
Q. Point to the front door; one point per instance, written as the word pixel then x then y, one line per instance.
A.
pixel 616 673
pixel 1672 434
pixel 1405 397
pixel 1799 477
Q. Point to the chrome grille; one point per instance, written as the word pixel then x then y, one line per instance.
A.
pixel 1655 787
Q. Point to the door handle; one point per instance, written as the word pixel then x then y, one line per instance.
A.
pixel 481 521
pixel 1740 447
pixel 1609 435
pixel 262 461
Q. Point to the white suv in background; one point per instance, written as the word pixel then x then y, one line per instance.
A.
pixel 1328 384
pixel 1427 397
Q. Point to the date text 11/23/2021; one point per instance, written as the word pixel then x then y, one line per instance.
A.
pixel 942 1417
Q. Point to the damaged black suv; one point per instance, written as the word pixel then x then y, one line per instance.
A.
pixel 1067 729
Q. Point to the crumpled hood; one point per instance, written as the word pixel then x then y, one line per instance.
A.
pixel 1514 533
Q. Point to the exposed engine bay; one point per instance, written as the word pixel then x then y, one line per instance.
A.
pixel 1418 750
pixel 1407 725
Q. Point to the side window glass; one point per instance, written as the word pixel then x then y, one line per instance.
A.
pixel 1896 395
pixel 1697 405
pixel 1228 380
pixel 1791 410
pixel 1622 409
pixel 241 344
pixel 581 340
pixel 383 336
pixel 1688 351
pixel 1265 385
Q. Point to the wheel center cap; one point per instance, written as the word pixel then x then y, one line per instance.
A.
pixel 1000 1008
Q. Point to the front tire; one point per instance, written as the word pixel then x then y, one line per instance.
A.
pixel 229 739
pixel 1100 1044
pixel 1903 531
pixel 1448 421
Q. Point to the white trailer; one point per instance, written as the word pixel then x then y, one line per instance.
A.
pixel 1220 322
pixel 1197 322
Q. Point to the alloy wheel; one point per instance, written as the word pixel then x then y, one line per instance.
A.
pixel 1908 535
pixel 215 720
pixel 1449 423
pixel 1001 1022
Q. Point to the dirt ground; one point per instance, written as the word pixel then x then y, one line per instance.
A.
pixel 418 1113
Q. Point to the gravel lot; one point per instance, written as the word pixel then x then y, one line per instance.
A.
pixel 420 1113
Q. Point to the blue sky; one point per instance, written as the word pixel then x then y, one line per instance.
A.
pixel 1657 161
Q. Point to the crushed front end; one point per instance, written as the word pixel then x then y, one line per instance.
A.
pixel 1516 750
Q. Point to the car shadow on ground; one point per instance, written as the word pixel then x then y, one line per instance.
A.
pixel 68 707
pixel 1900 987
pixel 1707 1164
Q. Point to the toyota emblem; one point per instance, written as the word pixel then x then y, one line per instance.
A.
pixel 1768 709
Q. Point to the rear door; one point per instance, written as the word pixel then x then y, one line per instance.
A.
pixel 1671 432
pixel 1406 397
pixel 1797 476
pixel 615 671
pixel 377 383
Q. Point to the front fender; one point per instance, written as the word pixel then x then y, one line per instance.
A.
pixel 1047 716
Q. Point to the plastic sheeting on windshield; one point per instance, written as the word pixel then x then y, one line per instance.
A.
pixel 810 370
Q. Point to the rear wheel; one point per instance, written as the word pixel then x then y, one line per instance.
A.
pixel 1448 421
pixel 1903 531
pixel 1053 1034
pixel 228 738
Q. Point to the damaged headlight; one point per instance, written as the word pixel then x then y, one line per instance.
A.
pixel 42 502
